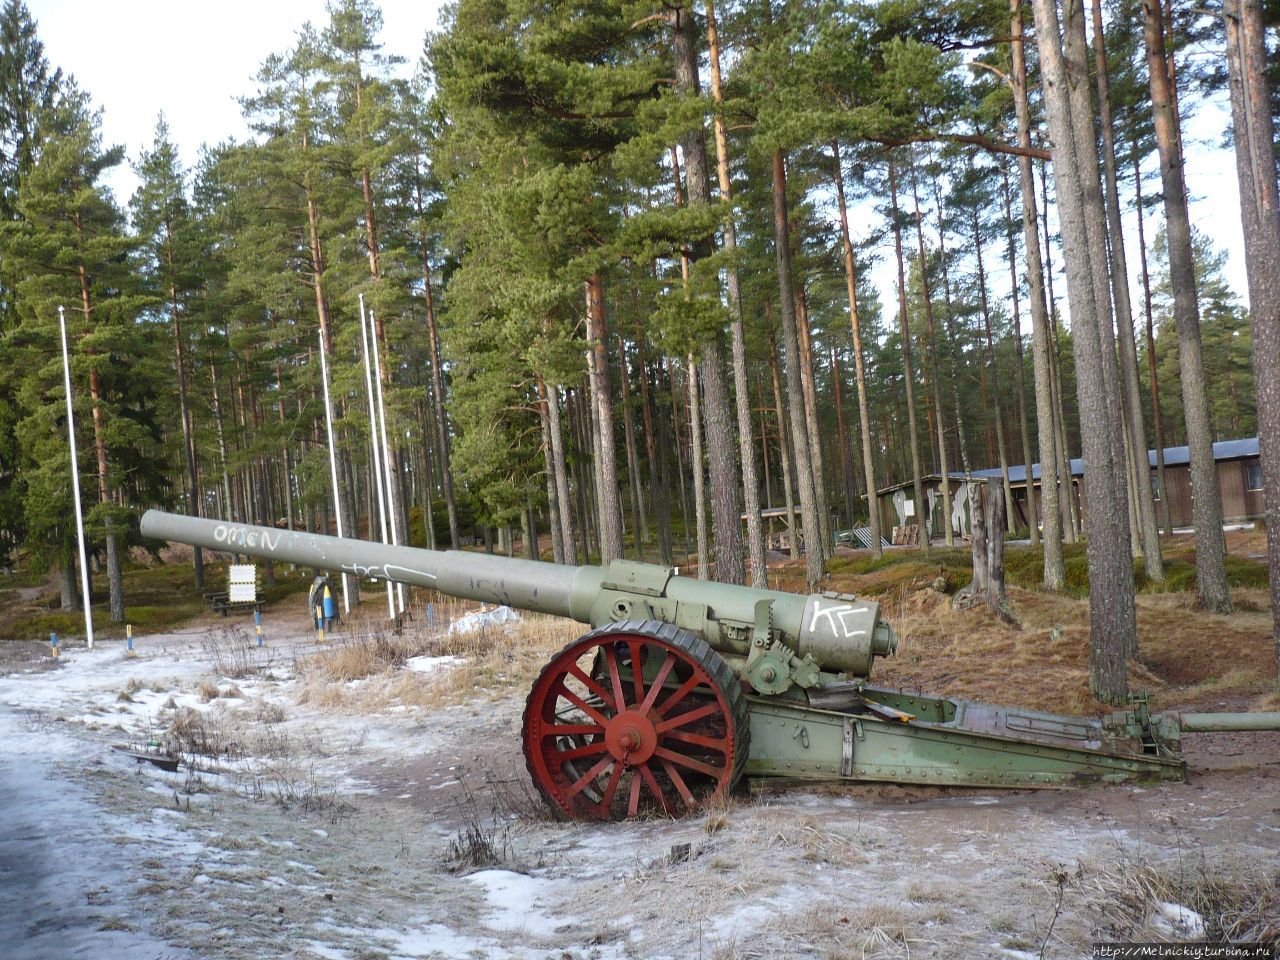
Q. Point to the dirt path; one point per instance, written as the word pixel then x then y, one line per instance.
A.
pixel 411 832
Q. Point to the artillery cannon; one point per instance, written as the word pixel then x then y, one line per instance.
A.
pixel 683 686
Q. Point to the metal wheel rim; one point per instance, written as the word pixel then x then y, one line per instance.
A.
pixel 673 745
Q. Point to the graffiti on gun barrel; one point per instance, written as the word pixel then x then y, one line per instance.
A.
pixel 248 538
pixel 245 537
pixel 388 571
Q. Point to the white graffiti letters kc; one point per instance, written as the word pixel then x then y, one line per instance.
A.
pixel 837 618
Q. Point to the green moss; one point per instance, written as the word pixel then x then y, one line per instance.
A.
pixel 39 626
pixel 285 587
pixel 1244 572
pixel 156 598
pixel 1024 567
pixel 22 578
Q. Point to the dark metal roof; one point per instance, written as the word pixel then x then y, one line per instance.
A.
pixel 1018 474
pixel 1225 450
pixel 1173 457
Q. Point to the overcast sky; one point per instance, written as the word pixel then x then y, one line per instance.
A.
pixel 192 60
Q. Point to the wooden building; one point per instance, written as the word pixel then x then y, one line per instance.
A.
pixel 1239 482
pixel 897 504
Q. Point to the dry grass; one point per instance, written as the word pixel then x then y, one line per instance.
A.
pixel 1237 899
pixel 869 930
pixel 233 652
pixel 367 672
pixel 207 691
pixel 816 843
pixel 194 735
pixel 1269 701
pixel 1044 662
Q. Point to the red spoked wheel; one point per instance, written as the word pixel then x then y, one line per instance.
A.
pixel 634 718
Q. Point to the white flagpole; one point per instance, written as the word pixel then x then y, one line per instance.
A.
pixel 373 439
pixel 386 451
pixel 333 460
pixel 75 481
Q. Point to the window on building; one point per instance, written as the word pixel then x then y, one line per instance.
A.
pixel 1253 476
pixel 1155 486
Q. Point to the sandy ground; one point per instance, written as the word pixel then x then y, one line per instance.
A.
pixel 335 834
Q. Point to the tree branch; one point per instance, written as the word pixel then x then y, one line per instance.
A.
pixel 991 146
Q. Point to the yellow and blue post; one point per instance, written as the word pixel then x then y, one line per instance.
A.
pixel 53 643
pixel 128 639
pixel 329 606
pixel 257 624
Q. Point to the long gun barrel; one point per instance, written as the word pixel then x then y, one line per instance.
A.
pixel 827 631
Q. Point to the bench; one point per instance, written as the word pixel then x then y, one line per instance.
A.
pixel 221 603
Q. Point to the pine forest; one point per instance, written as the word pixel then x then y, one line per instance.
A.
pixel 700 285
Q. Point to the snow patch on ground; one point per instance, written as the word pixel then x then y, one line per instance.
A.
pixel 1178 921
pixel 518 902
pixel 65 867
pixel 432 664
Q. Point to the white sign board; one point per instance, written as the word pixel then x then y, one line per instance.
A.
pixel 242 583
pixel 242 593
pixel 909 508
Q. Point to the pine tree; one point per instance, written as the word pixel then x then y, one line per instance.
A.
pixel 28 87
pixel 1112 613
pixel 70 248
pixel 172 263
pixel 1251 94
pixel 1211 573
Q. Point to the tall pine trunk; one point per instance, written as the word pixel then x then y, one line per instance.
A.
pixel 859 367
pixel 115 578
pixel 935 375
pixel 696 465
pixel 1041 335
pixel 1071 526
pixel 659 494
pixel 1260 217
pixel 1112 614
pixel 441 416
pixel 1157 418
pixel 1206 499
pixel 1131 391
pixel 904 326
pixel 184 407
pixel 846 447
pixel 742 395
pixel 602 409
pixel 555 475
pixel 785 454
pixel 639 520
pixel 792 358
pixel 811 423
pixel 1033 520
pixel 1002 450
pixel 1095 223
pixel 719 422
pixel 962 439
